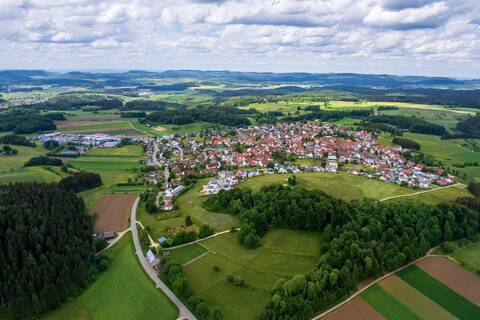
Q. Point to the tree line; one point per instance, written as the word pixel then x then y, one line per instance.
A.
pixel 81 181
pixel 220 115
pixel 16 140
pixel 360 239
pixel 412 124
pixel 25 122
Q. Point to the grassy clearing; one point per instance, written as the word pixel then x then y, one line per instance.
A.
pixel 185 254
pixel 284 253
pixel 387 304
pixel 469 257
pixel 439 293
pixel 341 185
pixel 123 292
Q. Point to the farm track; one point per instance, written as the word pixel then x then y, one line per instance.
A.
pixel 420 192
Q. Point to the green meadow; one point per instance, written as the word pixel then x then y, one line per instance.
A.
pixel 124 291
pixel 284 254
pixel 469 257
pixel 340 185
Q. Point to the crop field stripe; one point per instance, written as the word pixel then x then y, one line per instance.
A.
pixel 387 304
pixel 439 293
pixel 413 299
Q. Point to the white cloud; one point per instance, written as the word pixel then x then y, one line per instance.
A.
pixel 278 34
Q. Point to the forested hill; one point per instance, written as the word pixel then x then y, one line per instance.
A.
pixel 46 249
pixel 360 240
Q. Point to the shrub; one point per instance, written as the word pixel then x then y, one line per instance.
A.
pixel 216 268
pixel 188 221
pixel 100 244
pixel 205 231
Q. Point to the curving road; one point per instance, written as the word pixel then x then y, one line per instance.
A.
pixel 184 313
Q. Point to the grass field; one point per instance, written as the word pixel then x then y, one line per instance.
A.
pixel 387 304
pixel 185 254
pixel 439 293
pixel 12 169
pixel 123 292
pixel 284 253
pixel 449 152
pixel 469 257
pixel 113 164
pixel 341 185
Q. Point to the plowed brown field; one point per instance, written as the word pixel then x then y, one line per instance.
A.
pixel 113 212
pixel 453 276
pixel 357 309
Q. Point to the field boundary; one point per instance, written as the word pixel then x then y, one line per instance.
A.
pixel 359 292
pixel 200 240
pixel 421 192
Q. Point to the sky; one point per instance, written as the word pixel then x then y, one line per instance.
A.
pixel 408 37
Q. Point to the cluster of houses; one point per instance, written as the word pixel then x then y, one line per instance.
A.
pixel 22 101
pixel 270 147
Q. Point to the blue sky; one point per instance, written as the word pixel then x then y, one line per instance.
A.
pixel 418 37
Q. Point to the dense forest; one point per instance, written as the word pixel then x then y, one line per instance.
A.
pixel 360 240
pixel 150 105
pixel 470 126
pixel 16 140
pixel 410 123
pixel 81 181
pixel 406 143
pixel 75 101
pixel 220 115
pixel 46 249
pixel 43 161
pixel 25 122
pixel 329 115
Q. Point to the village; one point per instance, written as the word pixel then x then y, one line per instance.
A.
pixel 280 149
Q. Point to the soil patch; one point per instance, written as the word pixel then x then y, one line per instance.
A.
pixel 453 276
pixel 113 212
pixel 160 129
pixel 357 309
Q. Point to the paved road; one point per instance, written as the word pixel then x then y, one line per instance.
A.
pixel 184 313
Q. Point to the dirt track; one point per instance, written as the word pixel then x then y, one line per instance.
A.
pixel 453 276
pixel 357 309
pixel 113 212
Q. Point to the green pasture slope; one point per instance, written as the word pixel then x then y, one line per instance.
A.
pixel 439 293
pixel 340 185
pixel 450 152
pixel 124 291
pixel 387 304
pixel 284 253
pixel 12 169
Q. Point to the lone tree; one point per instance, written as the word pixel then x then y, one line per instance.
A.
pixel 46 249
